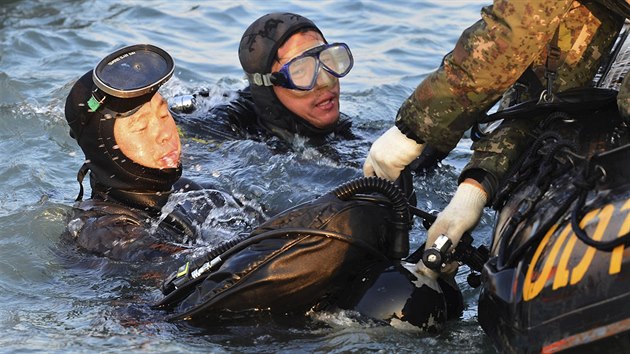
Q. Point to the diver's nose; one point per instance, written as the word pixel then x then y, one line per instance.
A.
pixel 164 133
pixel 325 79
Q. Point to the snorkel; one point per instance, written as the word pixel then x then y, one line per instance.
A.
pixel 120 84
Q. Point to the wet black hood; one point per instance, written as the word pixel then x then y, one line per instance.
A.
pixel 110 170
pixel 257 52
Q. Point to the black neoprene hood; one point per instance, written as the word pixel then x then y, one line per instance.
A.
pixel 94 132
pixel 257 52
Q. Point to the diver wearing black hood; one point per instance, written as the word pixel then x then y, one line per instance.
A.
pixel 257 112
pixel 126 195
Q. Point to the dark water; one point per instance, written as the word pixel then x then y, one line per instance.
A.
pixel 57 300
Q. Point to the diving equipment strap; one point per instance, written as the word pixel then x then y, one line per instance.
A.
pixel 80 177
pixel 551 67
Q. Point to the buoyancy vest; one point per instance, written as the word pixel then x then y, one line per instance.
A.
pixel 620 7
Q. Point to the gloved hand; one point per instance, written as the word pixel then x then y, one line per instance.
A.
pixel 390 154
pixel 461 214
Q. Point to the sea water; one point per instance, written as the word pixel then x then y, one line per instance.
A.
pixel 54 299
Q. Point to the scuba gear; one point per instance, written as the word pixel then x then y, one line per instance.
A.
pixel 183 104
pixel 133 71
pixel 301 72
pixel 440 254
pixel 256 111
pixel 112 174
pixel 278 267
pixel 257 52
pixel 122 233
pixel 337 251
pixel 555 280
pixel 126 79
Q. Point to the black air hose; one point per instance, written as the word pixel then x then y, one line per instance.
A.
pixel 402 219
pixel 591 174
pixel 169 284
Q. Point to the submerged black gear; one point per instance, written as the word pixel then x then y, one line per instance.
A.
pixel 112 174
pixel 257 51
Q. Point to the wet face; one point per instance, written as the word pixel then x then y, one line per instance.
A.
pixel 149 137
pixel 319 106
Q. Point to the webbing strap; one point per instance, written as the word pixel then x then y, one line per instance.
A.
pixel 551 67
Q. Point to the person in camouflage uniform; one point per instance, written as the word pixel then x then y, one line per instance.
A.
pixel 512 38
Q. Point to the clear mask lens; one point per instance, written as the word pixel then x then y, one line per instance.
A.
pixel 303 70
pixel 336 59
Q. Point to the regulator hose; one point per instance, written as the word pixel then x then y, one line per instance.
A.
pixel 591 174
pixel 402 219
pixel 181 283
pixel 174 280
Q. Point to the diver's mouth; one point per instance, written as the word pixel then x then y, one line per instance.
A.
pixel 325 104
pixel 170 160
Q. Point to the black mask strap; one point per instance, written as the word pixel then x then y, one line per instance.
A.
pixel 80 176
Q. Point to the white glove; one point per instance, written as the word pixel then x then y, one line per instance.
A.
pixel 390 154
pixel 461 214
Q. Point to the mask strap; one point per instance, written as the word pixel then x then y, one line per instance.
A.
pixel 259 79
pixel 80 176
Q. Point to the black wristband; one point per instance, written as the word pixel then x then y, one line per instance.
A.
pixel 485 179
pixel 406 131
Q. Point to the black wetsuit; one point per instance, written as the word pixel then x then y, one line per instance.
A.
pixel 130 226
pixel 241 119
pixel 121 233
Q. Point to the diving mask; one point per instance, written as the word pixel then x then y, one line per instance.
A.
pixel 130 73
pixel 301 72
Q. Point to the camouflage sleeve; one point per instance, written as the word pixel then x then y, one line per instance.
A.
pixel 488 58
pixel 495 153
pixel 587 32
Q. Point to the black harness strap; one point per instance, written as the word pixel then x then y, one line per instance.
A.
pixel 551 67
pixel 80 177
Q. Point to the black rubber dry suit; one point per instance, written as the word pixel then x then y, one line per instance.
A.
pixel 342 250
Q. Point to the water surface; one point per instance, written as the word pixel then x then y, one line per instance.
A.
pixel 57 300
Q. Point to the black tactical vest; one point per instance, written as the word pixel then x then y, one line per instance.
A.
pixel 620 7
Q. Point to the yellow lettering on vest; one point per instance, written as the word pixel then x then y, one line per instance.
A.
pixel 561 277
pixel 617 253
pixel 604 220
pixel 532 290
pixel 562 273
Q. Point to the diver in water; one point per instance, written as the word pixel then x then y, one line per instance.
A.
pixel 132 154
pixel 293 75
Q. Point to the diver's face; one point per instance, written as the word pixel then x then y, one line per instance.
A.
pixel 149 137
pixel 319 106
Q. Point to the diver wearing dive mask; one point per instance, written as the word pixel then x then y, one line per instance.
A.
pixel 301 98
pixel 132 153
pixel 301 72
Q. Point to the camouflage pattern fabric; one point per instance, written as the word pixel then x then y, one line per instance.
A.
pixel 488 59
